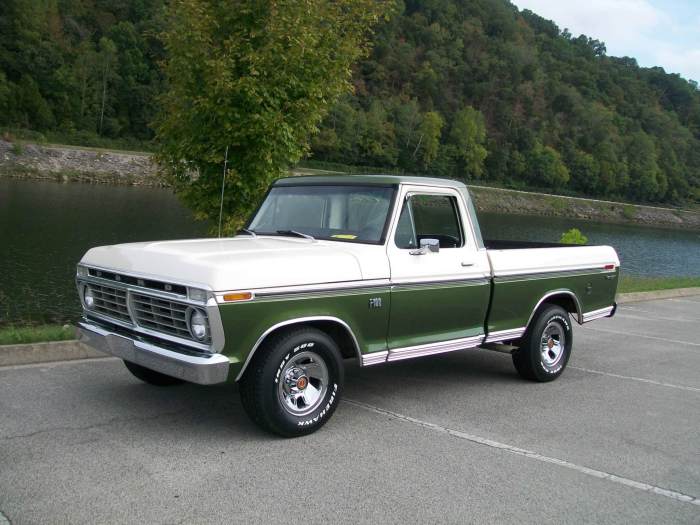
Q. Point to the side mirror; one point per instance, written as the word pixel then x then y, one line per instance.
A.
pixel 427 246
pixel 430 245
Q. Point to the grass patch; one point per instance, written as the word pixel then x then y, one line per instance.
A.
pixel 629 211
pixel 14 335
pixel 556 204
pixel 629 283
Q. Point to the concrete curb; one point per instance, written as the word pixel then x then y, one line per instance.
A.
pixel 635 297
pixel 32 353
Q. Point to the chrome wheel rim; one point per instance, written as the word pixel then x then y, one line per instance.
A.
pixel 303 383
pixel 552 344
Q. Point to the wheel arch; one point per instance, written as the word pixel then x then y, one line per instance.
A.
pixel 334 327
pixel 564 298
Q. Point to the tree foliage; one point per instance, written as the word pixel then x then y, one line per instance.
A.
pixel 76 66
pixel 471 89
pixel 257 80
pixel 523 104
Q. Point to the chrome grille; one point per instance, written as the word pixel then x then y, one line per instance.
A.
pixel 111 302
pixel 160 314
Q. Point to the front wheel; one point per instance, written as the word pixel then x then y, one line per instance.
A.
pixel 294 382
pixel 546 347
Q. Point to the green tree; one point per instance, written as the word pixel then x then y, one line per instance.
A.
pixel 5 90
pixel 34 110
pixel 108 57
pixel 468 136
pixel 643 168
pixel 429 133
pixel 257 80
pixel 377 136
pixel 546 168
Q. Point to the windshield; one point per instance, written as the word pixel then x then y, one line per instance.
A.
pixel 338 213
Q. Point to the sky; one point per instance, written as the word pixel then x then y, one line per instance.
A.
pixel 662 33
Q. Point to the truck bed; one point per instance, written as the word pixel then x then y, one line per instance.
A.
pixel 523 272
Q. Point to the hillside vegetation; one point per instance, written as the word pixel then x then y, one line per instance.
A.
pixel 472 89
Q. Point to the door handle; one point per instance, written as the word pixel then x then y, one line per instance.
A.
pixel 467 264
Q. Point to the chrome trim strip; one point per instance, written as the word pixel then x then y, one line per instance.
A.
pixel 597 314
pixel 202 370
pixel 451 281
pixel 216 326
pixel 312 288
pixel 505 335
pixel 546 296
pixel 374 358
pixel 299 320
pixel 408 352
pixel 547 272
pixel 349 286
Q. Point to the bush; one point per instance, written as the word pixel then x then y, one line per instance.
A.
pixel 573 236
pixel 629 211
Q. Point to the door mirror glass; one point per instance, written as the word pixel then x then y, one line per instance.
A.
pixel 430 245
pixel 431 218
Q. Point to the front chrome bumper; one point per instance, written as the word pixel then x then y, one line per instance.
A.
pixel 201 370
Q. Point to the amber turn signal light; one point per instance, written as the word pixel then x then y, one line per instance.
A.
pixel 239 296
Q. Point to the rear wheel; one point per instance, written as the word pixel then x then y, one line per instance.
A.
pixel 294 382
pixel 151 376
pixel 546 347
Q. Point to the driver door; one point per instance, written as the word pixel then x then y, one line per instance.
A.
pixel 435 296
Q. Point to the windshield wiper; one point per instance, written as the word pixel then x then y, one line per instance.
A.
pixel 294 232
pixel 249 232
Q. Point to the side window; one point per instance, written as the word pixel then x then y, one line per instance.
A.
pixel 429 217
pixel 405 233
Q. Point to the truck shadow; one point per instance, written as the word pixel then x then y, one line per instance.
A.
pixel 214 413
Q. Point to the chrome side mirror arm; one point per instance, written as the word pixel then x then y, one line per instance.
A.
pixel 427 246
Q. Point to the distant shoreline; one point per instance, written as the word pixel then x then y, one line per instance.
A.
pixel 66 164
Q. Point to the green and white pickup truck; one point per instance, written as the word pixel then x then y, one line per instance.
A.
pixel 371 268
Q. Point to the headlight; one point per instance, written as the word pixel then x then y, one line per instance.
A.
pixel 88 297
pixel 82 271
pixel 198 324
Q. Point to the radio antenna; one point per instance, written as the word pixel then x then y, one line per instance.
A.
pixel 223 185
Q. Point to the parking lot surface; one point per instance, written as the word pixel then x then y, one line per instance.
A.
pixel 457 438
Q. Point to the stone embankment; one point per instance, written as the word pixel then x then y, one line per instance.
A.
pixel 527 203
pixel 72 164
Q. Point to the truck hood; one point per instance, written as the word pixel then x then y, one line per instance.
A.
pixel 242 262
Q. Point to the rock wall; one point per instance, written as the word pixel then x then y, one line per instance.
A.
pixel 526 203
pixel 65 164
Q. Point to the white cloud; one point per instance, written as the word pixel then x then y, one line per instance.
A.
pixel 683 61
pixel 621 20
pixel 633 28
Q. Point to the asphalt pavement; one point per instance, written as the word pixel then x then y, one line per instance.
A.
pixel 457 438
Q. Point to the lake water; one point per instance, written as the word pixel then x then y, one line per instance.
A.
pixel 46 227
